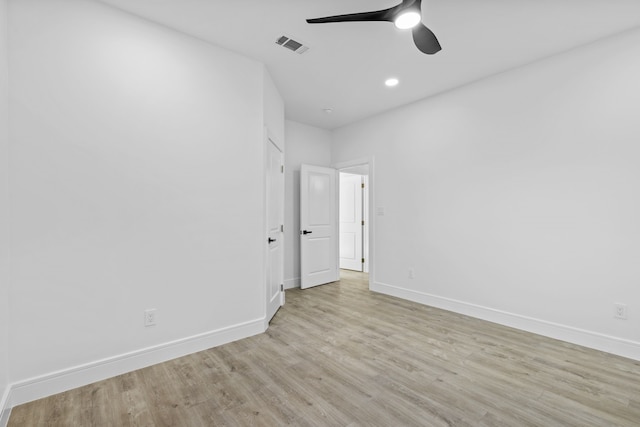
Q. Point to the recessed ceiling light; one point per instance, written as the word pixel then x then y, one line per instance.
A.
pixel 408 20
pixel 392 82
pixel 327 110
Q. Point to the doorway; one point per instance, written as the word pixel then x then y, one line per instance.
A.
pixel 320 218
pixel 354 218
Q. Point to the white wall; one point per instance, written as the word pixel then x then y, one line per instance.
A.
pixel 308 145
pixel 130 146
pixel 4 210
pixel 516 198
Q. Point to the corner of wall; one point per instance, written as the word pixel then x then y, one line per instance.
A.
pixel 273 109
pixel 5 386
pixel 310 145
pixel 5 407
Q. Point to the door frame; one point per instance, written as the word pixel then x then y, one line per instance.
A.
pixel 269 138
pixel 372 218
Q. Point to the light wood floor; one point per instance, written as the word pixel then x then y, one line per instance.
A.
pixel 339 355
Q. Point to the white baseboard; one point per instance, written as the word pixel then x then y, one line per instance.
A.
pixel 5 407
pixel 4 417
pixel 292 283
pixel 590 339
pixel 67 379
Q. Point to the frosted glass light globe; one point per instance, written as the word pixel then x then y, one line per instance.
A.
pixel 408 20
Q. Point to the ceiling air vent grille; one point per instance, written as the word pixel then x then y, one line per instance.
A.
pixel 292 45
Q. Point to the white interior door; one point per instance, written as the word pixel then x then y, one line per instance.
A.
pixel 275 209
pixel 367 221
pixel 351 221
pixel 318 226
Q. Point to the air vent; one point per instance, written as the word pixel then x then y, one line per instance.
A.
pixel 292 45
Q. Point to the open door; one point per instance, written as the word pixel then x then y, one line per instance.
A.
pixel 275 209
pixel 318 226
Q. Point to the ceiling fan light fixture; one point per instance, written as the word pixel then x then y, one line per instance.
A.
pixel 407 14
pixel 407 19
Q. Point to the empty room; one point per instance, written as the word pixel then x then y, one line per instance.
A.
pixel 319 213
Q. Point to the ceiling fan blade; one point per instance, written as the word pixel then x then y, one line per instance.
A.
pixel 425 40
pixel 377 15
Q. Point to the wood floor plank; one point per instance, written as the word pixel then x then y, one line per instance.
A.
pixel 340 355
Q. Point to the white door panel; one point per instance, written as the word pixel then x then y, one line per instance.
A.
pixel 351 217
pixel 319 190
pixel 348 249
pixel 320 250
pixel 318 226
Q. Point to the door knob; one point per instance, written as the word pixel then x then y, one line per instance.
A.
pixel 270 240
pixel 306 232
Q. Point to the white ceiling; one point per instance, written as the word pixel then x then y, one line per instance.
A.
pixel 348 62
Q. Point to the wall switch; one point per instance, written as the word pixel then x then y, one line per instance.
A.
pixel 150 317
pixel 620 311
pixel 412 273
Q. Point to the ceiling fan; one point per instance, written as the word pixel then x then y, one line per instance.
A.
pixel 405 15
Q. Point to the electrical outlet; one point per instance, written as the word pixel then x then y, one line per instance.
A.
pixel 150 317
pixel 412 273
pixel 620 311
